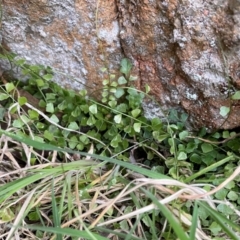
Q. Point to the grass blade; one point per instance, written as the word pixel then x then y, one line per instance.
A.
pixel 56 218
pixel 67 231
pixel 209 168
pixel 119 234
pixel 169 216
pixel 194 222
pixel 49 147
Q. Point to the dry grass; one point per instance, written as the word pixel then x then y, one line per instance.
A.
pixel 86 193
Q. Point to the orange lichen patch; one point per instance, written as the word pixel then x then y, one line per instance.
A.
pixel 168 65
pixel 208 113
pixel 234 69
pixel 35 9
pixel 147 70
pixel 172 5
pixel 58 29
pixel 230 121
pixel 107 13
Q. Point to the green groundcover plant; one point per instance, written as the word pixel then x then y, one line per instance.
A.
pixel 99 169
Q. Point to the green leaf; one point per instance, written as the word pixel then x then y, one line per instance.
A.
pixel 133 78
pixel 73 142
pixel 191 146
pixel 48 135
pixel 22 100
pixel 206 147
pixel 80 146
pixel 103 69
pixel 135 112
pixel 48 77
pixel 104 100
pixel 6 215
pixel 91 121
pixel 122 80
pixel 83 92
pixel 112 98
pixel 35 68
pixel 236 95
pixel 128 129
pixel 226 210
pixel 119 92
pixel 182 156
pixel 73 126
pixel 147 88
pixel 159 137
pixel 112 76
pixel 114 84
pixel 118 118
pixel 9 87
pixel 233 196
pixel 183 135
pixel 3 96
pixel 215 228
pixel 51 96
pixel 54 118
pixel 84 139
pixel 40 125
pixel 222 220
pixel 40 82
pixel 116 140
pixel 216 135
pixel 122 108
pixel 124 225
pixel 105 82
pixel 25 119
pixel 224 111
pixel 84 108
pixel 2 113
pixel 14 109
pixel 62 105
pixel 20 62
pixel 113 90
pixel 50 108
pixel 230 185
pixel 137 127
pixel 105 93
pixel 156 124
pixel 33 216
pixel 33 114
pixel 202 213
pixel 112 103
pixel 195 158
pixel 93 109
pixel 225 134
pixel 221 194
pixel 76 112
pixel 18 123
pixel 126 66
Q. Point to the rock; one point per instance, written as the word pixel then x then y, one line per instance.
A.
pixel 65 35
pixel 187 51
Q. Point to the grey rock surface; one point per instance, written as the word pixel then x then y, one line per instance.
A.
pixel 187 51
